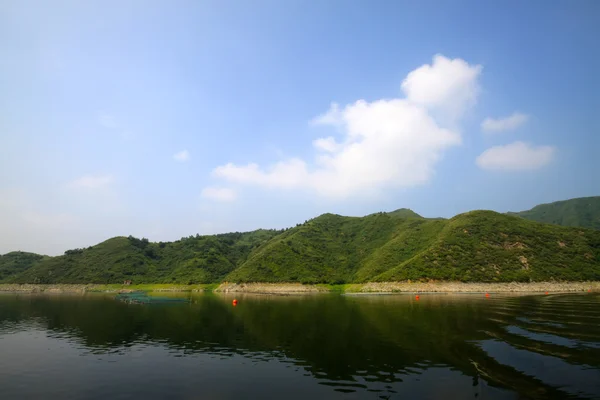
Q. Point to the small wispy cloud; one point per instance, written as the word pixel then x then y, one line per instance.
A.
pixel 219 194
pixel 517 156
pixel 509 123
pixel 182 156
pixel 92 181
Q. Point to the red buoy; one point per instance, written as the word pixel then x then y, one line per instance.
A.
pixel 546 292
pixel 417 297
pixel 234 302
pixel 487 295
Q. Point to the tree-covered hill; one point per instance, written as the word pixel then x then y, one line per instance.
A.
pixel 16 262
pixel 482 246
pixel 336 249
pixel 582 212
pixel 196 259
pixel 486 246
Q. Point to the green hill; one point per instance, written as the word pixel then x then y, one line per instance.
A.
pixel 404 213
pixel 16 262
pixel 477 246
pixel 196 259
pixel 486 246
pixel 482 246
pixel 337 249
pixel 583 212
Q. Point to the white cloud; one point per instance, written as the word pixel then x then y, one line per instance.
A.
pixel 517 156
pixel 331 117
pixel 511 122
pixel 219 194
pixel 182 156
pixel 92 181
pixel 385 143
pixel 449 85
pixel 327 144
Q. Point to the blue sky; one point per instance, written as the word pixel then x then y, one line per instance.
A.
pixel 166 119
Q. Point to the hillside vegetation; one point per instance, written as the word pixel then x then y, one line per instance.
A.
pixel 582 212
pixel 485 246
pixel 336 249
pixel 196 259
pixel 478 246
pixel 481 246
pixel 16 262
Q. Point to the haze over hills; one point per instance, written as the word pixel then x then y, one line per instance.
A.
pixel 482 246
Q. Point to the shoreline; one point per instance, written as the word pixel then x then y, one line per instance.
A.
pixel 298 288
pixel 412 287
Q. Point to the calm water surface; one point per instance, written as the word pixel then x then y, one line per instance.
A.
pixel 318 347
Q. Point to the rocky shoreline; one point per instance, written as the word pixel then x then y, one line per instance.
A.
pixel 474 287
pixel 414 287
pixel 271 288
pixel 297 288
pixel 34 288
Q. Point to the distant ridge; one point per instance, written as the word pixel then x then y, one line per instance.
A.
pixel 583 212
pixel 404 213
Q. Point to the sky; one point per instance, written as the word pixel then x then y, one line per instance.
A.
pixel 164 119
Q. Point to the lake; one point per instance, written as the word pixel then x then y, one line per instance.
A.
pixel 296 347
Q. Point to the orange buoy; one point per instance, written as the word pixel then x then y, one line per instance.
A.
pixel 234 302
pixel 487 295
pixel 417 297
pixel 546 292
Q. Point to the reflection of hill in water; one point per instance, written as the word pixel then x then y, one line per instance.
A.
pixel 351 341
